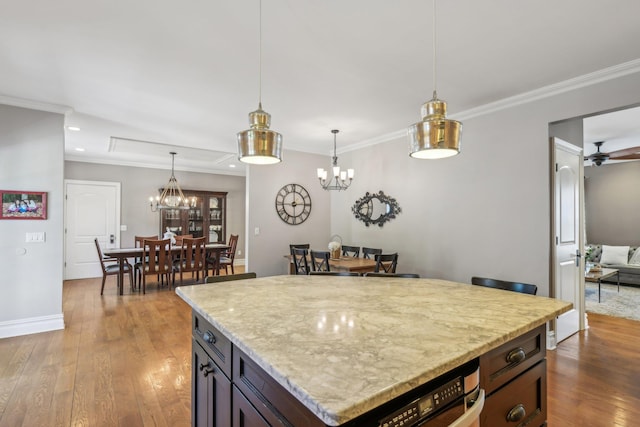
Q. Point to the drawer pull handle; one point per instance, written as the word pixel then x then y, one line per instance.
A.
pixel 209 337
pixel 516 355
pixel 206 369
pixel 516 413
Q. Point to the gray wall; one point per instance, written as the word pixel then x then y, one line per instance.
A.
pixel 267 249
pixel 31 159
pixel 138 184
pixel 612 196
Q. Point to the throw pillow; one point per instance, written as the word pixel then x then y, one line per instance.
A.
pixel 615 255
pixel 635 258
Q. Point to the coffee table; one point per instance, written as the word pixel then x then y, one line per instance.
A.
pixel 597 276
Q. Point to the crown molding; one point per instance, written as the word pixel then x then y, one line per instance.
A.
pixel 590 79
pixel 579 82
pixel 35 105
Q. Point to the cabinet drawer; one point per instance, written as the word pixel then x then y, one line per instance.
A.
pixel 270 399
pixel 522 402
pixel 504 363
pixel 218 347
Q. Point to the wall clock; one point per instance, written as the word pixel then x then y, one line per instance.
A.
pixel 293 204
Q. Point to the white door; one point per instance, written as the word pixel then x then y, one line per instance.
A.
pixel 569 265
pixel 92 209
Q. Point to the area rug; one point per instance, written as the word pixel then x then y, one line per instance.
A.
pixel 624 304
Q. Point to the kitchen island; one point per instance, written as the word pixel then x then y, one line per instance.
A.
pixel 342 346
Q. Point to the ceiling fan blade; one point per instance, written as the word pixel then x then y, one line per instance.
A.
pixel 631 153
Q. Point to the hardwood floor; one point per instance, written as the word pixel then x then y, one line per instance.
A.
pixel 126 361
pixel 594 376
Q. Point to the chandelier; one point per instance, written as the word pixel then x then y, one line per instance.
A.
pixel 172 196
pixel 259 145
pixel 435 137
pixel 341 180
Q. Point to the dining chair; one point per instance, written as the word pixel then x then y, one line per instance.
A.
pixel 320 260
pixel 111 269
pixel 300 262
pixel 230 277
pixel 180 237
pixel 192 257
pixel 334 273
pixel 352 251
pixel 156 259
pixel 369 252
pixel 137 262
pixel 386 263
pixel 401 275
pixel 299 245
pixel 227 257
pixel 524 288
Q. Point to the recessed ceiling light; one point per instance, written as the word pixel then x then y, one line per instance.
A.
pixel 79 149
pixel 232 166
pixel 73 128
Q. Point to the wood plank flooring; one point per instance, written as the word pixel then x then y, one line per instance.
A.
pixel 126 361
pixel 594 376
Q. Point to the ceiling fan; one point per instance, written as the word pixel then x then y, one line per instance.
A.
pixel 598 158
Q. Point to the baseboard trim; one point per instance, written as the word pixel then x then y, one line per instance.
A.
pixel 33 325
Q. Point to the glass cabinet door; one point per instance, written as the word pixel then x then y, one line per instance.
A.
pixel 172 221
pixel 216 219
pixel 195 218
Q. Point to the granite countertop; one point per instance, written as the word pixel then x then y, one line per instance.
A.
pixel 345 345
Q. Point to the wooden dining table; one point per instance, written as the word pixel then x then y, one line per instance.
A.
pixel 123 253
pixel 344 263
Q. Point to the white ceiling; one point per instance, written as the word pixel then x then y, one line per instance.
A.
pixel 185 74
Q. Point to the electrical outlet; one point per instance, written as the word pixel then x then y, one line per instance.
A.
pixel 239 252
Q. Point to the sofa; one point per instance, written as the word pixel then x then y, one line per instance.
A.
pixel 629 273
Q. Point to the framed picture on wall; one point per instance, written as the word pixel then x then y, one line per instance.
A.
pixel 23 204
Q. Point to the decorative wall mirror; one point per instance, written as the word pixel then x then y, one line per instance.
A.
pixel 376 208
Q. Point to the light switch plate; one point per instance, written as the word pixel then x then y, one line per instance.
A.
pixel 37 237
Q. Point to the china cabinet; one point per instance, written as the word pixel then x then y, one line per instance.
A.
pixel 206 216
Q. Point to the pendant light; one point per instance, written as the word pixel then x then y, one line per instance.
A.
pixel 172 196
pixel 341 180
pixel 259 145
pixel 435 137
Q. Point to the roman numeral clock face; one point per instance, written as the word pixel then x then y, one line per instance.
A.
pixel 293 204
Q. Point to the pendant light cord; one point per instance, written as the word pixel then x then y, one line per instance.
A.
pixel 260 58
pixel 435 93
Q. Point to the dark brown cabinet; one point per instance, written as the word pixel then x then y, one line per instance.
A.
pixel 211 391
pixel 207 216
pixel 514 379
pixel 244 414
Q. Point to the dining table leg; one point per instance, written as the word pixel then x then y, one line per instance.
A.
pixel 121 273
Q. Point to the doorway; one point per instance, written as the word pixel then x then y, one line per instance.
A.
pixel 567 268
pixel 92 210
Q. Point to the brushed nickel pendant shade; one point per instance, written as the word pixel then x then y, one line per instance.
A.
pixel 259 145
pixel 435 137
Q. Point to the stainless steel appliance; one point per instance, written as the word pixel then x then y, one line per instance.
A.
pixel 451 400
